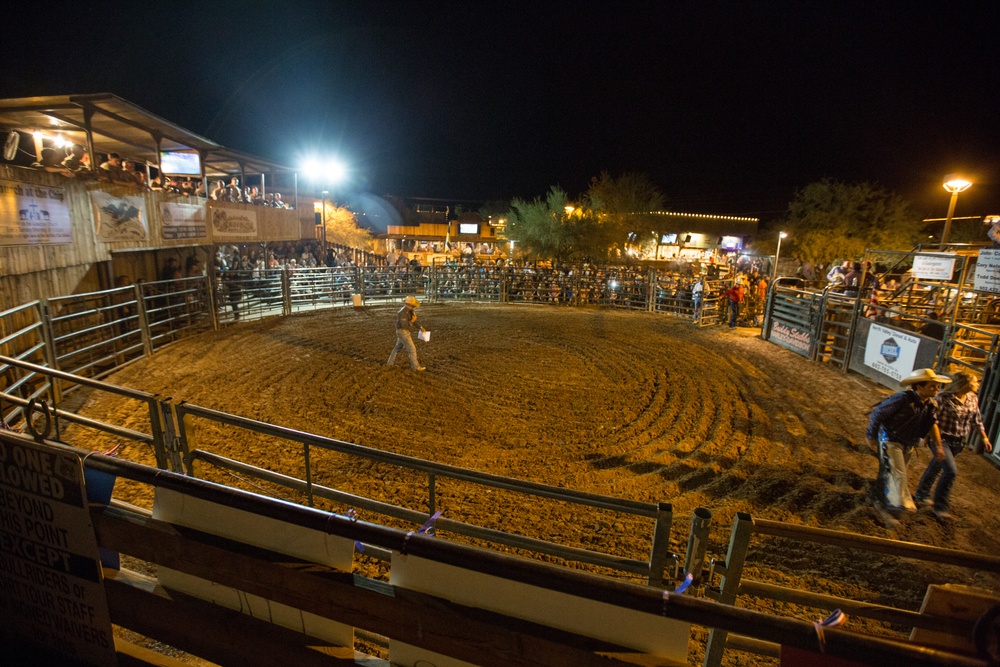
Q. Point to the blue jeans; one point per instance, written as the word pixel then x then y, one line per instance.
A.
pixel 734 313
pixel 948 471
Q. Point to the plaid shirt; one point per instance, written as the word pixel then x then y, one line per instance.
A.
pixel 958 416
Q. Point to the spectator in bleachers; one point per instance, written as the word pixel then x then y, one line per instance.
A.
pixel 77 160
pixel 112 168
pixel 219 191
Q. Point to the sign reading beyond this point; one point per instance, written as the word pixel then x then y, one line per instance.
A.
pixel 50 571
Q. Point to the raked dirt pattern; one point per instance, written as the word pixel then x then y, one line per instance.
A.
pixel 633 405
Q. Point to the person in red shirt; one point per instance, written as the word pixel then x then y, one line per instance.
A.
pixel 736 293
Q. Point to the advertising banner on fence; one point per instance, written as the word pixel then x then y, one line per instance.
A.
pixel 233 222
pixel 50 569
pixel 33 214
pixel 890 351
pixel 934 267
pixel 791 337
pixel 987 278
pixel 119 218
pixel 183 221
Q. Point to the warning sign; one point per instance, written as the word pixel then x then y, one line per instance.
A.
pixel 51 583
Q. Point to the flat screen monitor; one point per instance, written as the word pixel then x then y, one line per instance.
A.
pixel 175 163
pixel 468 228
pixel 668 238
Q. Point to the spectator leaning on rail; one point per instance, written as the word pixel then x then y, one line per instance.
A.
pixel 958 417
pixel 897 425
pixel 406 318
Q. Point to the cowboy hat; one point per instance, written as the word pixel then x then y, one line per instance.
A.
pixel 924 375
pixel 412 301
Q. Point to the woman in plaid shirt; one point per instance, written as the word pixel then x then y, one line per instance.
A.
pixel 958 415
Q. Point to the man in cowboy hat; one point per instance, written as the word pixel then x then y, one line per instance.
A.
pixel 406 318
pixel 897 425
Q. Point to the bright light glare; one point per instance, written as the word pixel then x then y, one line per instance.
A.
pixel 328 171
pixel 957 185
pixel 783 235
pixel 60 142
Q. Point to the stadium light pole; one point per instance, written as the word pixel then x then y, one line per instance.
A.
pixel 325 173
pixel 777 254
pixel 954 186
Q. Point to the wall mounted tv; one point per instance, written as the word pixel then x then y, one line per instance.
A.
pixel 468 228
pixel 175 163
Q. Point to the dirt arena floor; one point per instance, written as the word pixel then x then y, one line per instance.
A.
pixel 633 405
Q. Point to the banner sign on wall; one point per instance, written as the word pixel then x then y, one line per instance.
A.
pixel 233 222
pixel 119 218
pixel 182 221
pixel 934 267
pixel 891 351
pixel 987 278
pixel 32 214
pixel 791 337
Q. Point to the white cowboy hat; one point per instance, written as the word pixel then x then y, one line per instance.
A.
pixel 412 301
pixel 924 375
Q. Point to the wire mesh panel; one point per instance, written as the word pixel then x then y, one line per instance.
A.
pixel 672 294
pixel 391 283
pixel 533 283
pixel 628 287
pixel 465 282
pixel 321 287
pixel 174 309
pixel 96 332
pixel 248 294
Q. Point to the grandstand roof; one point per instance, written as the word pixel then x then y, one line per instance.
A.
pixel 119 126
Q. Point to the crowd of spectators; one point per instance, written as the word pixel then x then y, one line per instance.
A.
pixel 75 163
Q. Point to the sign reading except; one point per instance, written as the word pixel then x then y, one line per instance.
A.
pixel 934 267
pixel 50 570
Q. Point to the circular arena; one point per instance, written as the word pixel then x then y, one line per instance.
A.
pixel 625 404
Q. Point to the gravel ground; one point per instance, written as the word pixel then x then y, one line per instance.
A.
pixel 633 405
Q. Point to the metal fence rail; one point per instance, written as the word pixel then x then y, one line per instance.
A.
pixel 732 583
pixel 652 568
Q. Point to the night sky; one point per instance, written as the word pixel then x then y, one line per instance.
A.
pixel 727 107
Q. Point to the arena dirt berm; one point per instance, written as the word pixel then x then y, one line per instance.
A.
pixel 634 405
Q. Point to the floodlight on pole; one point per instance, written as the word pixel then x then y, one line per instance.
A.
pixel 325 173
pixel 954 186
pixel 777 254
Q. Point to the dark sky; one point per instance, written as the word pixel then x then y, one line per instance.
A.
pixel 727 107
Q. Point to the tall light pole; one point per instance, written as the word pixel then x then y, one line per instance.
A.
pixel 325 174
pixel 777 254
pixel 954 186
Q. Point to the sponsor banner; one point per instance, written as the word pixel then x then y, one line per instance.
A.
pixel 934 267
pixel 119 218
pixel 791 337
pixel 33 214
pixel 50 569
pixel 890 351
pixel 987 278
pixel 182 221
pixel 233 222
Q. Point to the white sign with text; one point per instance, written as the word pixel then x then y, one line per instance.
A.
pixel 934 267
pixel 987 277
pixel 891 351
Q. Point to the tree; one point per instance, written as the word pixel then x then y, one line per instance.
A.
pixel 624 205
pixel 828 220
pixel 342 227
pixel 542 226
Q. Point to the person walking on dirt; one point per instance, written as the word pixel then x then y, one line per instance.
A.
pixel 898 424
pixel 958 415
pixel 406 318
